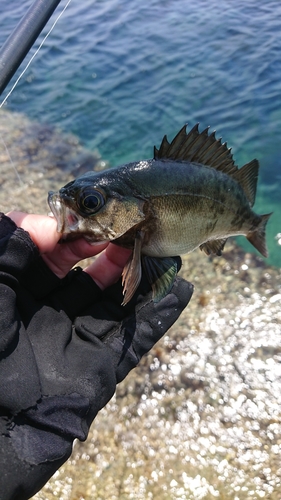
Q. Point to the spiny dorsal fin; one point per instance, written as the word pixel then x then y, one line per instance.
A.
pixel 162 152
pixel 198 147
pixel 247 176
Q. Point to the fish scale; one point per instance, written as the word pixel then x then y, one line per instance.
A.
pixel 190 195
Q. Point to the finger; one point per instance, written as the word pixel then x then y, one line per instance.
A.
pixel 131 331
pixel 151 321
pixel 42 229
pixel 66 255
pixel 108 267
pixel 60 258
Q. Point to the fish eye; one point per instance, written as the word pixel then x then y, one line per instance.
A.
pixel 91 200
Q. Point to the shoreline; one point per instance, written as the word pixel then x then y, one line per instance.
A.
pixel 200 417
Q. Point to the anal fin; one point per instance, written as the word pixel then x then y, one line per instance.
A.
pixel 161 274
pixel 213 246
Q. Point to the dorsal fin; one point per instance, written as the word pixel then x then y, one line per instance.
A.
pixel 247 176
pixel 198 147
pixel 163 150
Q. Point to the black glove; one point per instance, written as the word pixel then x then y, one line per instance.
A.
pixel 64 345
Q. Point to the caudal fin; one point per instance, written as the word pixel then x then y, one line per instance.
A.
pixel 257 237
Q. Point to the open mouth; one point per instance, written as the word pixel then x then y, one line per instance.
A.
pixel 67 220
pixel 71 220
pixel 56 207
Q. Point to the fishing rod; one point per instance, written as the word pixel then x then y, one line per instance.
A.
pixel 18 44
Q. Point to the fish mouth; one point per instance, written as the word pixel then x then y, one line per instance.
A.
pixel 67 220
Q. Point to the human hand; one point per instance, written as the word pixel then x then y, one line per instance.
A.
pixel 61 257
pixel 78 295
pixel 66 345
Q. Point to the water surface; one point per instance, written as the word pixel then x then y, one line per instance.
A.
pixel 122 74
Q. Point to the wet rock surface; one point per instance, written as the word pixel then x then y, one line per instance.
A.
pixel 200 417
pixel 36 158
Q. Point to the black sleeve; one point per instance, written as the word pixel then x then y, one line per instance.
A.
pixel 64 345
pixel 36 305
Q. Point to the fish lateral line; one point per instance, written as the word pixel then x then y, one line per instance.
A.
pixel 195 195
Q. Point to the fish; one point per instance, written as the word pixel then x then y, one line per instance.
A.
pixel 190 195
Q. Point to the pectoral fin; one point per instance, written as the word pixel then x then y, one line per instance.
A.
pixel 161 274
pixel 131 275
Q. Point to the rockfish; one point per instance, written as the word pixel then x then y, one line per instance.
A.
pixel 190 195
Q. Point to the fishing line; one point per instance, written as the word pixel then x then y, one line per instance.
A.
pixel 10 159
pixel 19 78
pixel 35 54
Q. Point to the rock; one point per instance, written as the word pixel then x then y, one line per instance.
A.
pixel 200 417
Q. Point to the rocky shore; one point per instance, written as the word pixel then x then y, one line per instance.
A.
pixel 200 417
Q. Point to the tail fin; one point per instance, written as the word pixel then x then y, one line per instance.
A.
pixel 257 237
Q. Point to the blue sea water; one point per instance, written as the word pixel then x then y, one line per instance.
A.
pixel 122 74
